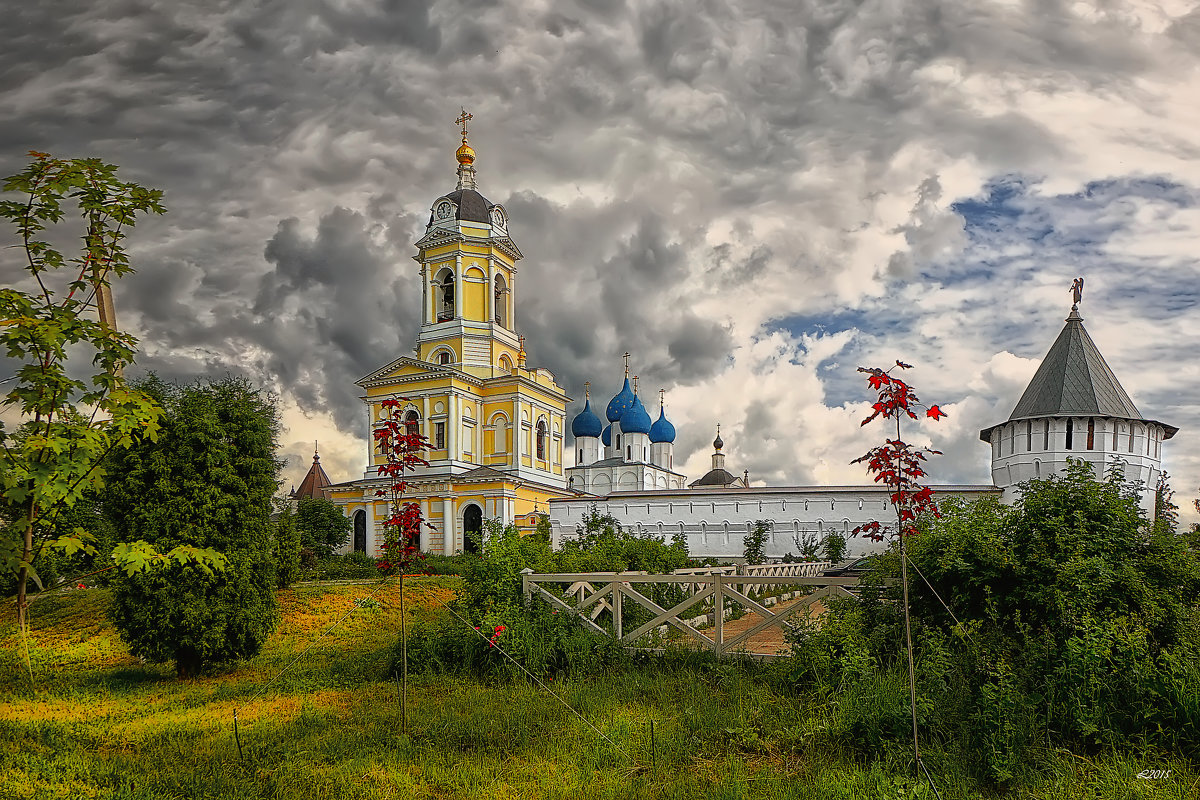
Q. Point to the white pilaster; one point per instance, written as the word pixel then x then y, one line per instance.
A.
pixel 449 532
pixel 458 287
pixel 491 290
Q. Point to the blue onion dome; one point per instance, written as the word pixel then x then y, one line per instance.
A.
pixel 622 402
pixel 606 436
pixel 662 430
pixel 586 423
pixel 635 420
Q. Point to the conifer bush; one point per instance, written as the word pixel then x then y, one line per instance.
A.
pixel 208 482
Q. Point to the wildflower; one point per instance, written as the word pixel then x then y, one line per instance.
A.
pixel 81 586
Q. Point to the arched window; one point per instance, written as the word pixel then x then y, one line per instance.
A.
pixel 445 309
pixel 506 365
pixel 500 298
pixel 628 453
pixel 444 357
pixel 541 439
pixel 412 424
pixel 1037 469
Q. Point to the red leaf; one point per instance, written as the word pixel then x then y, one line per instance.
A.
pixel 935 412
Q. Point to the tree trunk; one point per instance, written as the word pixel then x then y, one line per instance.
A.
pixel 23 574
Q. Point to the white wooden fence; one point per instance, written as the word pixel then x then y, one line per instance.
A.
pixel 594 593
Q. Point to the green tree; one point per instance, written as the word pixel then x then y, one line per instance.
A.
pixel 322 525
pixel 70 421
pixel 287 546
pixel 1066 620
pixel 833 546
pixel 754 541
pixel 207 482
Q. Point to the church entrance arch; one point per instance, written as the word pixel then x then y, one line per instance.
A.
pixel 360 531
pixel 472 529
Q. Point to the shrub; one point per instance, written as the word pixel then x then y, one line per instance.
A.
pixel 1074 625
pixel 208 482
pixel 287 546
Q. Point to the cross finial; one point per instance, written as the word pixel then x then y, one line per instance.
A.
pixel 462 120
pixel 587 386
pixel 315 449
pixel 662 397
pixel 635 379
pixel 626 363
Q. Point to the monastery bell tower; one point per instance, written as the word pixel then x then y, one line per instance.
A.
pixel 468 275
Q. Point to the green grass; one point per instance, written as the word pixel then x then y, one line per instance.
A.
pixel 97 723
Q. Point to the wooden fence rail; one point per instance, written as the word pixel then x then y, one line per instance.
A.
pixel 594 593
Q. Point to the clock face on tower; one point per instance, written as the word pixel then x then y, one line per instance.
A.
pixel 498 218
pixel 444 210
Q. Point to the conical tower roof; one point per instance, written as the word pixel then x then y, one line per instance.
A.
pixel 1074 380
pixel 314 482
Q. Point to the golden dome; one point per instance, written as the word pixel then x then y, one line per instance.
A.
pixel 465 154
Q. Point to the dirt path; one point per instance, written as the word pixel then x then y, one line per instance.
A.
pixel 768 640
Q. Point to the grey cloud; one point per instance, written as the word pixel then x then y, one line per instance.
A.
pixel 650 155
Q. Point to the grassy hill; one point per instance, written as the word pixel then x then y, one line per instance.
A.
pixel 97 723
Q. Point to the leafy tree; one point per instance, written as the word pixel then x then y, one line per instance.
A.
pixel 287 546
pixel 833 546
pixel 207 482
pixel 754 540
pixel 1066 620
pixel 806 545
pixel 322 526
pixel 70 422
pixel 1166 512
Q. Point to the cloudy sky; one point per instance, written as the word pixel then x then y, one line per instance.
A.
pixel 752 197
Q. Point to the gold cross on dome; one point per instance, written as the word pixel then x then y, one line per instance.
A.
pixel 635 377
pixel 462 121
pixel 626 364
pixel 587 385
pixel 662 397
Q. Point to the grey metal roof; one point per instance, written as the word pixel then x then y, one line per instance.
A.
pixel 717 477
pixel 1074 380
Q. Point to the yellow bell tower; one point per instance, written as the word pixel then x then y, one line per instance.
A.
pixel 495 425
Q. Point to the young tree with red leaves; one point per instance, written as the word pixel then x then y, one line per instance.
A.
pixel 401 447
pixel 899 465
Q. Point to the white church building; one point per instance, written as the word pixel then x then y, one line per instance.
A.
pixel 1074 407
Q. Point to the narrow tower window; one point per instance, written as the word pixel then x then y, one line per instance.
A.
pixel 1115 426
pixel 1029 436
pixel 447 309
pixel 500 297
pixel 1046 436
pixel 1091 434
pixel 1070 432
pixel 412 424
pixel 1131 437
pixel 443 357
pixel 541 440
